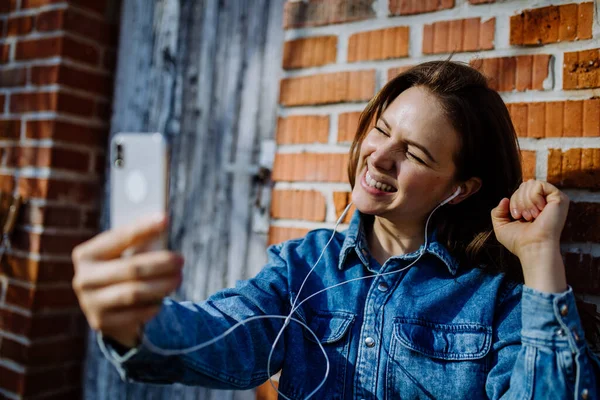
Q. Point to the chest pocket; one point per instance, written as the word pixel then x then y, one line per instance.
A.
pixel 438 361
pixel 305 367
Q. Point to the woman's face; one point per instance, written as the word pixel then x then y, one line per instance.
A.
pixel 406 162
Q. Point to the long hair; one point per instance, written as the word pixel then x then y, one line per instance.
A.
pixel 488 150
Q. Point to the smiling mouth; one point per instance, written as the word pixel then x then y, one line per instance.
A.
pixel 379 185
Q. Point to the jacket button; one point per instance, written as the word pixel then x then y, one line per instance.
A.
pixel 370 342
pixel 382 287
pixel 564 310
pixel 576 335
pixel 585 394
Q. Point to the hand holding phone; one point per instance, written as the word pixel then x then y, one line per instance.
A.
pixel 119 294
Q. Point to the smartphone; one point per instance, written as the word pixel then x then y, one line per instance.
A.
pixel 139 181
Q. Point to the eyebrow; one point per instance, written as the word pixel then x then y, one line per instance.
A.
pixel 410 142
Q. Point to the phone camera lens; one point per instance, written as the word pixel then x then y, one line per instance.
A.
pixel 119 162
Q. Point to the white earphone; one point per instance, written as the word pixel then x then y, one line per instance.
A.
pixel 449 199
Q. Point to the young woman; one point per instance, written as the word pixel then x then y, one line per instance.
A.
pixel 476 306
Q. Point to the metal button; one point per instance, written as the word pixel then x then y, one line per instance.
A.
pixel 365 252
pixel 370 342
pixel 382 287
pixel 584 394
pixel 576 334
pixel 564 310
pixel 560 332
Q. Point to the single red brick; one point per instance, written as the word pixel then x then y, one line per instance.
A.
pixel 486 34
pixel 348 87
pixel 17 26
pixel 516 29
pixel 536 113
pixel 573 119
pixel 66 132
pixel 301 14
pixel 567 30
pixel 585 20
pixel 591 117
pixel 428 39
pixel 10 129
pixel 309 167
pixel 540 71
pixel 68 76
pixel 13 77
pixel 31 49
pixel 4 53
pixel 46 243
pixel 51 101
pixel 2 102
pixel 298 204
pixel 554 119
pixel 507 74
pixel 518 114
pixel 570 70
pixel 440 37
pixel 302 129
pixel 347 126
pixel 379 44
pixel 309 52
pixel 528 159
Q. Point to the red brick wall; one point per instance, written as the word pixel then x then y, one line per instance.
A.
pixel 56 74
pixel 545 61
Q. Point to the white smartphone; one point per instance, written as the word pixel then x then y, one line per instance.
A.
pixel 139 181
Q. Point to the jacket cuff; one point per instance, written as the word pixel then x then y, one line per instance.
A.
pixel 551 319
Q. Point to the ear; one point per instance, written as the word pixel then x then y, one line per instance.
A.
pixel 468 188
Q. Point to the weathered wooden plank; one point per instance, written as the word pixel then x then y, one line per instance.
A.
pixel 202 72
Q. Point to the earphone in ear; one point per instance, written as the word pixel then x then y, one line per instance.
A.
pixel 449 199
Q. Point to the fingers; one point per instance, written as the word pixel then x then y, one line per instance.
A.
pixel 529 200
pixel 138 267
pixel 124 320
pixel 129 295
pixel 111 244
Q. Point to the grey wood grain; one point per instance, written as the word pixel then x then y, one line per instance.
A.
pixel 205 73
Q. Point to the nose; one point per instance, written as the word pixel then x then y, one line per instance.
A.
pixel 382 158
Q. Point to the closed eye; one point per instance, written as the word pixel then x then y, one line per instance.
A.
pixel 382 131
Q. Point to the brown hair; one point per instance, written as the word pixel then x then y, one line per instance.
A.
pixel 489 150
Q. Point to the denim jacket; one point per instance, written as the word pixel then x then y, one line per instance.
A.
pixel 436 330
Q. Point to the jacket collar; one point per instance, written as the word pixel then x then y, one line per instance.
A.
pixel 356 241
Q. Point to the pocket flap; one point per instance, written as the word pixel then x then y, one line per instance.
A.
pixel 467 341
pixel 329 326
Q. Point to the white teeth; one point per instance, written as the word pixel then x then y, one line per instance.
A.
pixel 381 186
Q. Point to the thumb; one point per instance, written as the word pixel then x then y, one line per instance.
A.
pixel 501 214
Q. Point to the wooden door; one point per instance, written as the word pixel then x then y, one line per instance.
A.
pixel 206 73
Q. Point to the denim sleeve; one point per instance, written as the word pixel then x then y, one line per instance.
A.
pixel 547 358
pixel 239 361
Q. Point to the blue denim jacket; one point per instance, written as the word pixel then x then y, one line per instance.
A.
pixel 434 331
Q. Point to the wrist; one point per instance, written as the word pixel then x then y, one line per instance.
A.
pixel 543 268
